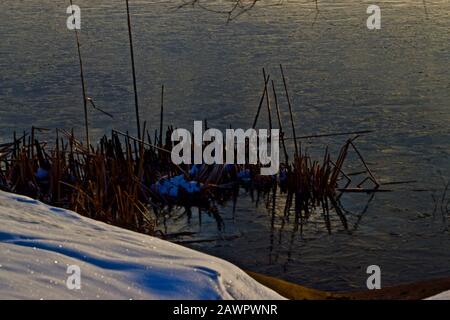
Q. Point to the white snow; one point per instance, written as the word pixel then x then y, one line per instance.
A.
pixel 441 296
pixel 39 242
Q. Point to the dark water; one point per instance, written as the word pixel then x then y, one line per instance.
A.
pixel 342 77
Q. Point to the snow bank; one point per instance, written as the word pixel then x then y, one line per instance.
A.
pixel 441 296
pixel 39 242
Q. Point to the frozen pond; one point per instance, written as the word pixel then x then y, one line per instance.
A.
pixel 342 77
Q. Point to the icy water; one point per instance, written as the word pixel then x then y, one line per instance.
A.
pixel 342 77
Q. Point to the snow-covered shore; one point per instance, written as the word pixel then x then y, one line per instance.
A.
pixel 39 242
pixel 441 296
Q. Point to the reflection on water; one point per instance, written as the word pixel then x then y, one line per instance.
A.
pixel 342 77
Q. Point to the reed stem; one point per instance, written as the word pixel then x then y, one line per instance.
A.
pixel 161 117
pixel 290 111
pixel 280 124
pixel 133 68
pixel 83 86
pixel 261 102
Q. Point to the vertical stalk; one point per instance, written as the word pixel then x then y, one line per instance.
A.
pixel 266 81
pixel 290 111
pixel 83 86
pixel 280 124
pixel 136 103
pixel 269 109
pixel 161 117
